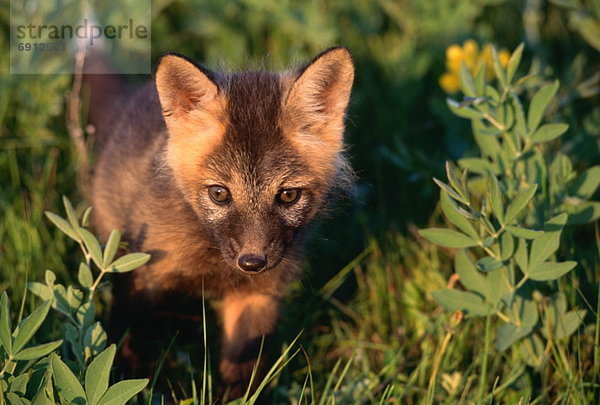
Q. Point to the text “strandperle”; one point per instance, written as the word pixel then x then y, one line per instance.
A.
pixel 85 30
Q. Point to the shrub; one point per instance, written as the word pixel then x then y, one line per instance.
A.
pixel 509 206
pixel 38 374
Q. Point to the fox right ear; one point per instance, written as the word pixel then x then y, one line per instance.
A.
pixel 193 111
pixel 182 86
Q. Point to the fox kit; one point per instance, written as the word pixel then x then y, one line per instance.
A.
pixel 217 176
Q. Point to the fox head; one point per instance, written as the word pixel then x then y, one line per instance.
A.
pixel 256 153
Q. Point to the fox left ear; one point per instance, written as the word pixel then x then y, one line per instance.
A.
pixel 318 98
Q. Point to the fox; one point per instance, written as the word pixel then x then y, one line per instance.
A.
pixel 218 176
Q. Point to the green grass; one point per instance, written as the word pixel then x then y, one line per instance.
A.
pixel 369 331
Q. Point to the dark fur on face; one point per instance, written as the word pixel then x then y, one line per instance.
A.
pixel 218 176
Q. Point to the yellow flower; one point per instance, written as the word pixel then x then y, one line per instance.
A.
pixel 504 57
pixel 454 57
pixel 469 54
pixel 471 50
pixel 450 82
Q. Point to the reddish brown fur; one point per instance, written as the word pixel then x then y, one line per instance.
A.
pixel 255 133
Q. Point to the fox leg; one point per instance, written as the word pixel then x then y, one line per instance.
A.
pixel 247 318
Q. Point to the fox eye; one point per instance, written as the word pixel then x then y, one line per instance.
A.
pixel 288 196
pixel 219 194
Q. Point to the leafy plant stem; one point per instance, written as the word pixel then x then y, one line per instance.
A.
pixel 521 282
pixel 8 362
pixel 496 234
pixel 95 285
pixel 493 121
pixel 87 256
pixel 491 252
pixel 484 360
pixel 502 316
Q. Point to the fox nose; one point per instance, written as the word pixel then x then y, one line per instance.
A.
pixel 252 263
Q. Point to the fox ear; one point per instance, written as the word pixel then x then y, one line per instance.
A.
pixel 182 86
pixel 193 111
pixel 318 98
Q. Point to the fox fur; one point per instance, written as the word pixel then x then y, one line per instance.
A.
pixel 260 138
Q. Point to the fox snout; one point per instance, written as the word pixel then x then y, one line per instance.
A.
pixel 251 255
pixel 252 263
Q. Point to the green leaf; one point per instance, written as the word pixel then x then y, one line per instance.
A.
pixel 129 262
pixel 60 301
pixel 67 385
pixel 14 399
pixel 489 241
pixel 568 323
pixel 71 215
pixel 523 311
pixel 96 376
pixel 448 238
pixel 41 376
pixel 454 179
pixel 468 274
pixel 524 316
pixel 454 300
pixel 548 243
pixel 520 125
pixel 548 132
pixel 521 255
pixel 513 63
pixel 122 392
pixel 510 333
pixel 112 245
pixel 463 112
pixel 35 352
pixel 519 203
pixel 451 192
pixel 550 270
pixel 507 246
pixel 85 220
pixel 29 326
pixel 496 200
pixel 498 69
pixel 538 105
pixel 92 245
pixel 19 384
pixel 477 165
pixel 85 276
pixel 523 233
pixel 489 145
pixel 41 290
pixel 95 338
pixel 63 225
pixel 455 217
pixel 86 314
pixel 50 277
pixel 532 351
pixel 467 82
pixel 480 79
pixel 488 263
pixel 587 183
pixel 5 327
pixel 581 212
pixel 500 288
